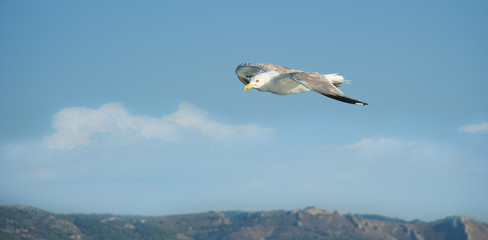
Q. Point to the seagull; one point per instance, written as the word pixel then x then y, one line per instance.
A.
pixel 281 80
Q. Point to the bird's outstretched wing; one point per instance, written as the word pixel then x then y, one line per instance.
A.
pixel 321 84
pixel 245 71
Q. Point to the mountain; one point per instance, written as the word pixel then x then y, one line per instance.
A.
pixel 21 222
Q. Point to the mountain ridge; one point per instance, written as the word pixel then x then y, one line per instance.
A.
pixel 23 222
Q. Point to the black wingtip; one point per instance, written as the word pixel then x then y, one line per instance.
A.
pixel 346 99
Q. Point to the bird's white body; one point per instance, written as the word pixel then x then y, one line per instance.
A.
pixel 272 82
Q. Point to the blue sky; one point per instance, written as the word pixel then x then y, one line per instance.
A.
pixel 134 107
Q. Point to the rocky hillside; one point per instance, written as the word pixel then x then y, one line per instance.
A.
pixel 20 222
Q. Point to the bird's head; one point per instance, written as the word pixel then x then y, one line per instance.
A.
pixel 259 81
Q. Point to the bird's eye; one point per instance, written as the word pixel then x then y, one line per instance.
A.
pixel 257 80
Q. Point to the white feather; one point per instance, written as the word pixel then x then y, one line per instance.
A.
pixel 336 78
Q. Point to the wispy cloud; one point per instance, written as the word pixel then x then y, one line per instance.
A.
pixel 475 128
pixel 189 116
pixel 378 144
pixel 88 141
pixel 112 124
pixel 40 174
pixel 380 157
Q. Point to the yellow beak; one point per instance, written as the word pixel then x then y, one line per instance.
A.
pixel 247 87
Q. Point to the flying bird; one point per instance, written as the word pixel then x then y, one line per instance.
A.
pixel 283 81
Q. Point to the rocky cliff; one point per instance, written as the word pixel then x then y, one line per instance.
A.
pixel 20 222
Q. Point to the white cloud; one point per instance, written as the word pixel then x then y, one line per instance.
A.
pixel 475 128
pixel 378 144
pixel 112 124
pixel 190 116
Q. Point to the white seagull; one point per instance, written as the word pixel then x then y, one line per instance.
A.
pixel 283 81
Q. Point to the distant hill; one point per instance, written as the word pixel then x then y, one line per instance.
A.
pixel 21 222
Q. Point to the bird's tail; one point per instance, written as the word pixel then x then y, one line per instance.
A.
pixel 336 79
